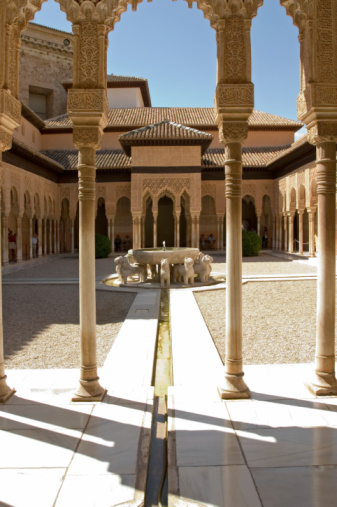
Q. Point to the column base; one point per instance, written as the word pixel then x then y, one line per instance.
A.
pixel 5 391
pixel 89 390
pixel 322 384
pixel 233 388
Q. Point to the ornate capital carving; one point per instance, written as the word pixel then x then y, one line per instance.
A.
pixel 84 100
pixel 87 137
pixel 11 107
pixel 322 131
pixel 5 140
pixel 234 95
pixel 233 131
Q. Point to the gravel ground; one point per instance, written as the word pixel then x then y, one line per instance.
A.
pixel 41 322
pixel 279 321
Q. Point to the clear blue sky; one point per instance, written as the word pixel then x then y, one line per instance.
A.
pixel 174 48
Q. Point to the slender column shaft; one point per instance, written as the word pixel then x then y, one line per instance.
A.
pixel 326 190
pixel 44 236
pixel 89 385
pixel 197 232
pixel 280 233
pixel 259 225
pixel 291 233
pixel 55 236
pixel 5 240
pixel 312 233
pixel 155 240
pixel 112 228
pixel 178 229
pixel 300 223
pixel 40 238
pixel 285 233
pixel 72 226
pixel 30 239
pixel 50 236
pixel 234 385
pixel 19 239
pixel 5 391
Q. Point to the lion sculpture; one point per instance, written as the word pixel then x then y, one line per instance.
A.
pixel 164 273
pixel 202 267
pixel 184 273
pixel 124 269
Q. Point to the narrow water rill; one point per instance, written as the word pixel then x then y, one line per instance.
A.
pixel 156 488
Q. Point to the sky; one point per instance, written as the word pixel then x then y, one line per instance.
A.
pixel 174 48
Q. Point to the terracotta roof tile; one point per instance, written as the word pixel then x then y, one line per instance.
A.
pixel 105 159
pixel 251 157
pixel 197 117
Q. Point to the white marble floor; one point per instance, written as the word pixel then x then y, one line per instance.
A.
pixel 277 449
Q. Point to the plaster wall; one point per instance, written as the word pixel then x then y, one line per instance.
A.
pixel 124 97
pixel 269 138
pixel 165 156
pixel 57 142
pixel 28 134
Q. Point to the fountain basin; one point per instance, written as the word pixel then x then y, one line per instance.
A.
pixel 155 255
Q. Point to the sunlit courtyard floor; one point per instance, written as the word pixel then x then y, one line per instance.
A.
pixel 279 448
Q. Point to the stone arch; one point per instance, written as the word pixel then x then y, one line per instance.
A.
pixel 313 194
pixel 292 202
pixel 26 225
pixel 123 219
pixel 301 197
pixel 249 217
pixel 165 221
pixel 65 227
pixel 101 222
pixel 208 219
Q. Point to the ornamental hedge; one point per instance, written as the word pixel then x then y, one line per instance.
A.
pixel 102 246
pixel 251 244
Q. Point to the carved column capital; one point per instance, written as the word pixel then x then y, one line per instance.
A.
pixel 322 131
pixel 233 131
pixel 10 118
pixel 87 137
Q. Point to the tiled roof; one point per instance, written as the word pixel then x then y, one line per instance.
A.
pixel 197 117
pixel 251 157
pixel 164 133
pixel 300 142
pixel 105 159
pixel 112 78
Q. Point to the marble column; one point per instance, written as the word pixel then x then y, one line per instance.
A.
pixel 324 381
pixel 300 227
pixel 311 213
pixel 4 240
pixel 30 238
pixel 280 232
pixel 89 388
pixel 177 229
pixel 40 238
pixel 50 236
pixel 19 239
pixel 5 391
pixel 197 231
pixel 233 385
pixel 155 242
pixel 72 228
pixel 258 224
pixel 44 236
pixel 290 233
pixel 285 231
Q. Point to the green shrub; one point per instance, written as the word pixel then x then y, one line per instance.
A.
pixel 102 246
pixel 251 244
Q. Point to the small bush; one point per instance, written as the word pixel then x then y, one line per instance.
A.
pixel 102 246
pixel 251 244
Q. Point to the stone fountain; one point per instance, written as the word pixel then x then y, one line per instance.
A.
pixel 166 265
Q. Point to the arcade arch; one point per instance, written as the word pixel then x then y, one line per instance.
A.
pixel 234 103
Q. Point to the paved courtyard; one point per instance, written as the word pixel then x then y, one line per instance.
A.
pixel 277 449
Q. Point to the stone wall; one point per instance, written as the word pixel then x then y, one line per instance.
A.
pixel 46 59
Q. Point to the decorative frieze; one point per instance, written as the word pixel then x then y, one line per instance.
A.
pixel 322 132
pixel 87 136
pixel 233 131
pixel 235 95
pixel 87 100
pixel 11 107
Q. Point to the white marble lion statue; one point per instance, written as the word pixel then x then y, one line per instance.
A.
pixel 184 273
pixel 124 269
pixel 164 273
pixel 202 267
